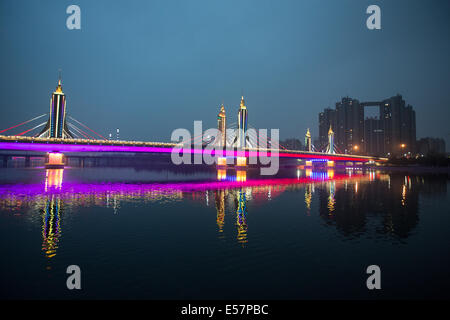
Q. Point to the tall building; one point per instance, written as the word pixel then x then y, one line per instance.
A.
pixel 56 126
pixel 426 146
pixel 222 126
pixel 392 133
pixel 242 124
pixel 399 123
pixel 327 118
pixel 292 144
pixel 349 126
pixel 374 137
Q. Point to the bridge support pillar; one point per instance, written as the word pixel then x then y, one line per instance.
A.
pixel 27 161
pixel 5 161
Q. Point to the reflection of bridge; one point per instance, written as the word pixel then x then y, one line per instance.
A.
pixel 57 138
pixel 54 197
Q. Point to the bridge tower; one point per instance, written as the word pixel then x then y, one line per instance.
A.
pixel 308 145
pixel 56 126
pixel 330 147
pixel 222 126
pixel 242 124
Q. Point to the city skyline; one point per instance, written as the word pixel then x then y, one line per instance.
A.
pixel 286 79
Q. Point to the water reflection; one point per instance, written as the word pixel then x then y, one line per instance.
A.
pixel 51 225
pixel 371 208
pixel 352 202
pixel 53 178
pixel 241 214
pixel 220 206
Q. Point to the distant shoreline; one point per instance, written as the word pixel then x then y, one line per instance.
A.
pixel 416 169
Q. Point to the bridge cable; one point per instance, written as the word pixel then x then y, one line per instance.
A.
pixel 40 125
pixel 86 135
pixel 83 133
pixel 87 127
pixel 267 139
pixel 20 124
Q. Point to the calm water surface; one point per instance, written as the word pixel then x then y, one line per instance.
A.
pixel 216 234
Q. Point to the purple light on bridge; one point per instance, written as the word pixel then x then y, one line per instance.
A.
pixel 67 148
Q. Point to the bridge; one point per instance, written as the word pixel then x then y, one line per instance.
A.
pixel 59 145
pixel 57 137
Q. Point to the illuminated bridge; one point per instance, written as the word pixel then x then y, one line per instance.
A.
pixel 62 134
pixel 60 145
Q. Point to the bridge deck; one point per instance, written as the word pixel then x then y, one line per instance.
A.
pixel 85 145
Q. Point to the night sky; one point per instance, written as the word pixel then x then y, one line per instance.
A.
pixel 149 67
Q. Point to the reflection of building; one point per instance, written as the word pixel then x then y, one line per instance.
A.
pixel 241 214
pixel 386 197
pixel 331 200
pixel 308 197
pixel 354 204
pixel 220 207
pixel 51 225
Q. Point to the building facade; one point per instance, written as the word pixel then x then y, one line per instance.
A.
pixel 374 137
pixel 392 133
pixel 327 119
pixel 399 124
pixel 427 146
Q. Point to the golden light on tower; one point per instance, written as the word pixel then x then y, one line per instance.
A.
pixel 222 126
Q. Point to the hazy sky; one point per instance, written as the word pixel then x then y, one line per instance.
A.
pixel 149 67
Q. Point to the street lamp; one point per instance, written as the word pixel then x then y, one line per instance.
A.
pixel 403 149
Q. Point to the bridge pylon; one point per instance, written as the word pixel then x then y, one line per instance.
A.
pixel 330 146
pixel 308 144
pixel 56 126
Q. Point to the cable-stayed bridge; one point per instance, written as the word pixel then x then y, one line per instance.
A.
pixel 62 133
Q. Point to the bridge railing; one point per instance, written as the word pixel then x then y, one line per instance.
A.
pixel 84 141
pixel 168 145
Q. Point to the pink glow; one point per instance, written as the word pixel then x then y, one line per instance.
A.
pixel 54 147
